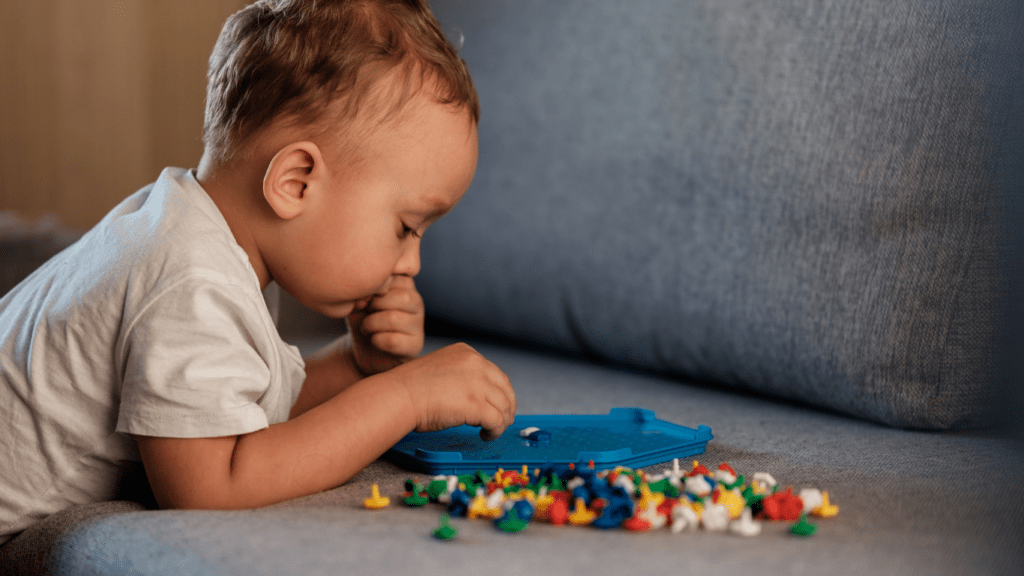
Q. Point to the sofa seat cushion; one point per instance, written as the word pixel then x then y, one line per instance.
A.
pixel 910 503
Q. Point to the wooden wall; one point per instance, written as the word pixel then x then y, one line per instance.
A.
pixel 97 96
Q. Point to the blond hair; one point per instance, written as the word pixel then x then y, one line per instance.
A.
pixel 297 59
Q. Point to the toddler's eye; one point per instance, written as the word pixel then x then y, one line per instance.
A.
pixel 407 231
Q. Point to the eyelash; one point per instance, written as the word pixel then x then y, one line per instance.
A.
pixel 406 231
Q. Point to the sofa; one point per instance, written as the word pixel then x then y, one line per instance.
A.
pixel 791 221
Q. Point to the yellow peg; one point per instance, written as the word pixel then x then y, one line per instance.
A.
pixel 827 509
pixel 375 500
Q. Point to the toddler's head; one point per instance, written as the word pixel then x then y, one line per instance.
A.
pixel 356 119
pixel 320 64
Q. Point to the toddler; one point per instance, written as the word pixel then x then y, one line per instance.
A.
pixel 336 132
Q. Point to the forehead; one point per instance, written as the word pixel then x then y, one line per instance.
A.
pixel 430 150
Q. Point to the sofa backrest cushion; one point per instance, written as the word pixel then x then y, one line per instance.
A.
pixel 797 197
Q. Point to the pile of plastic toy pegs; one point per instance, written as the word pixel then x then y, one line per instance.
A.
pixel 676 500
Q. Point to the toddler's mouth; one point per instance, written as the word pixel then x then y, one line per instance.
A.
pixel 364 303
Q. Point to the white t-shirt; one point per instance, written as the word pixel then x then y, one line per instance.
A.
pixel 153 323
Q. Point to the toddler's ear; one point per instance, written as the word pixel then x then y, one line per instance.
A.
pixel 289 176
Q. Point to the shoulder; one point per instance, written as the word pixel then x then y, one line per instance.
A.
pixel 177 232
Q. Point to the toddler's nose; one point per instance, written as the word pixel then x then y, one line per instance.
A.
pixel 409 263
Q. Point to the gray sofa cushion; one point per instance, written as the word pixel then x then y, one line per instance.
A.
pixel 793 197
pixel 909 503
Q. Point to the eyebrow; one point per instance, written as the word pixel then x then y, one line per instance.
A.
pixel 435 209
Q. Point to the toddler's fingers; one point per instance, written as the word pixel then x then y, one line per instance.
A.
pixel 492 425
pixel 489 436
pixel 501 411
pixel 398 299
pixel 392 321
pixel 505 398
pixel 397 343
pixel 403 301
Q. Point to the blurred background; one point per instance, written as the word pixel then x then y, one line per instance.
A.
pixel 96 97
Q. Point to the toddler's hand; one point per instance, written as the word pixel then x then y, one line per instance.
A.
pixel 389 331
pixel 456 385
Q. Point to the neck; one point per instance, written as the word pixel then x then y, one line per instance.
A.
pixel 232 190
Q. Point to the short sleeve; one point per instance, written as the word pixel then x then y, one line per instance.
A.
pixel 193 366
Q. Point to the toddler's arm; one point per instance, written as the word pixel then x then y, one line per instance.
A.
pixel 328 372
pixel 342 419
pixel 327 445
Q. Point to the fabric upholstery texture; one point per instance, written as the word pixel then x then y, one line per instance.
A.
pixel 910 503
pixel 797 197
